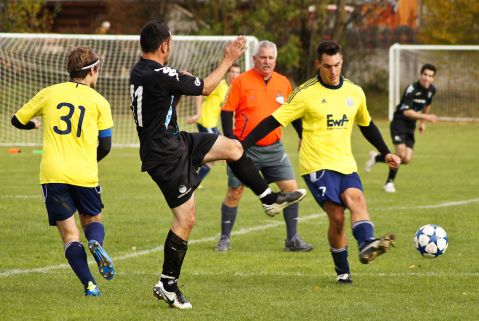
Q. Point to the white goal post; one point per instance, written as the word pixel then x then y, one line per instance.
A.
pixel 30 62
pixel 457 78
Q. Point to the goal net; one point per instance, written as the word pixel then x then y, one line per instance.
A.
pixel 30 62
pixel 457 97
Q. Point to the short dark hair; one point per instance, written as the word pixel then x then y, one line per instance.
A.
pixel 428 67
pixel 328 47
pixel 152 35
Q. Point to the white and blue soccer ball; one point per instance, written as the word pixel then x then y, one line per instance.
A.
pixel 431 240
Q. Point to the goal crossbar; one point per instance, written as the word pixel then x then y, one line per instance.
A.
pixel 30 62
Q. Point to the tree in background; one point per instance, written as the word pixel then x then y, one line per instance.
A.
pixel 449 22
pixel 128 17
pixel 292 24
pixel 26 16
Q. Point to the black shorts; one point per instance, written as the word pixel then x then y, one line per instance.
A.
pixel 179 179
pixel 402 134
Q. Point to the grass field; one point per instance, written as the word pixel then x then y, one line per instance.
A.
pixel 256 280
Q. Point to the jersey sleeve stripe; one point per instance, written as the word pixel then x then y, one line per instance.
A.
pixel 307 84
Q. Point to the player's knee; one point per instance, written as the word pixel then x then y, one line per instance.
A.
pixel 70 236
pixel 236 150
pixel 402 156
pixel 406 160
pixel 337 224
pixel 289 186
pixel 188 221
pixel 233 196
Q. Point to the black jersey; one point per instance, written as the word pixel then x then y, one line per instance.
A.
pixel 416 98
pixel 155 91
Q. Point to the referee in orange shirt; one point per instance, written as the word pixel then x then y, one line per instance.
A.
pixel 253 96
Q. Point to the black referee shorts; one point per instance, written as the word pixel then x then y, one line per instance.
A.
pixel 179 179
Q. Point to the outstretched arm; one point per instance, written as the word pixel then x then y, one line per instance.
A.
pixel 198 102
pixel 261 130
pixel 373 135
pixel 232 52
pixel 422 122
pixel 420 116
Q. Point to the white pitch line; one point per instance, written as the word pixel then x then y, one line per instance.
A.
pixel 152 250
pixel 20 196
pixel 242 231
pixel 445 204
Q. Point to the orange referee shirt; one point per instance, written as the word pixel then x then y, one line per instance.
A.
pixel 252 100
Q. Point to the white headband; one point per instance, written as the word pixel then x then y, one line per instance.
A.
pixel 93 64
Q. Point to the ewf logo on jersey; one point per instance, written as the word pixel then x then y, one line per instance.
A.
pixel 336 123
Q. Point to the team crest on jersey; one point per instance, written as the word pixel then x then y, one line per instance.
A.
pixel 350 102
pixel 280 99
pixel 169 71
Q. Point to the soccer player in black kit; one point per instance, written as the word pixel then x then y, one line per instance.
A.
pixel 171 157
pixel 415 105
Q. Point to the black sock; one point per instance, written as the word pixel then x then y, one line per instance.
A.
pixel 380 159
pixel 247 173
pixel 174 253
pixel 290 215
pixel 169 284
pixel 269 198
pixel 391 175
pixel 228 216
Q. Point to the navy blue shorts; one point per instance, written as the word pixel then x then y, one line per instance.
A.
pixel 63 200
pixel 326 185
pixel 203 129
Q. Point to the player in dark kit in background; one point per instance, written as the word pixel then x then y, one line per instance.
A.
pixel 172 157
pixel 415 105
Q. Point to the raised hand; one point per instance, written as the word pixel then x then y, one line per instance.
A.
pixel 235 49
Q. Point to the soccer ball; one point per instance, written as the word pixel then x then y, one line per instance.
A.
pixel 431 240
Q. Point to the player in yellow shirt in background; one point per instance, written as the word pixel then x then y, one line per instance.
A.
pixel 77 131
pixel 328 105
pixel 208 111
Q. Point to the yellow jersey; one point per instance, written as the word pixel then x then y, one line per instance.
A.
pixel 211 106
pixel 328 114
pixel 72 115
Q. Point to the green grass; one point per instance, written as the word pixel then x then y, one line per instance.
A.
pixel 256 280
